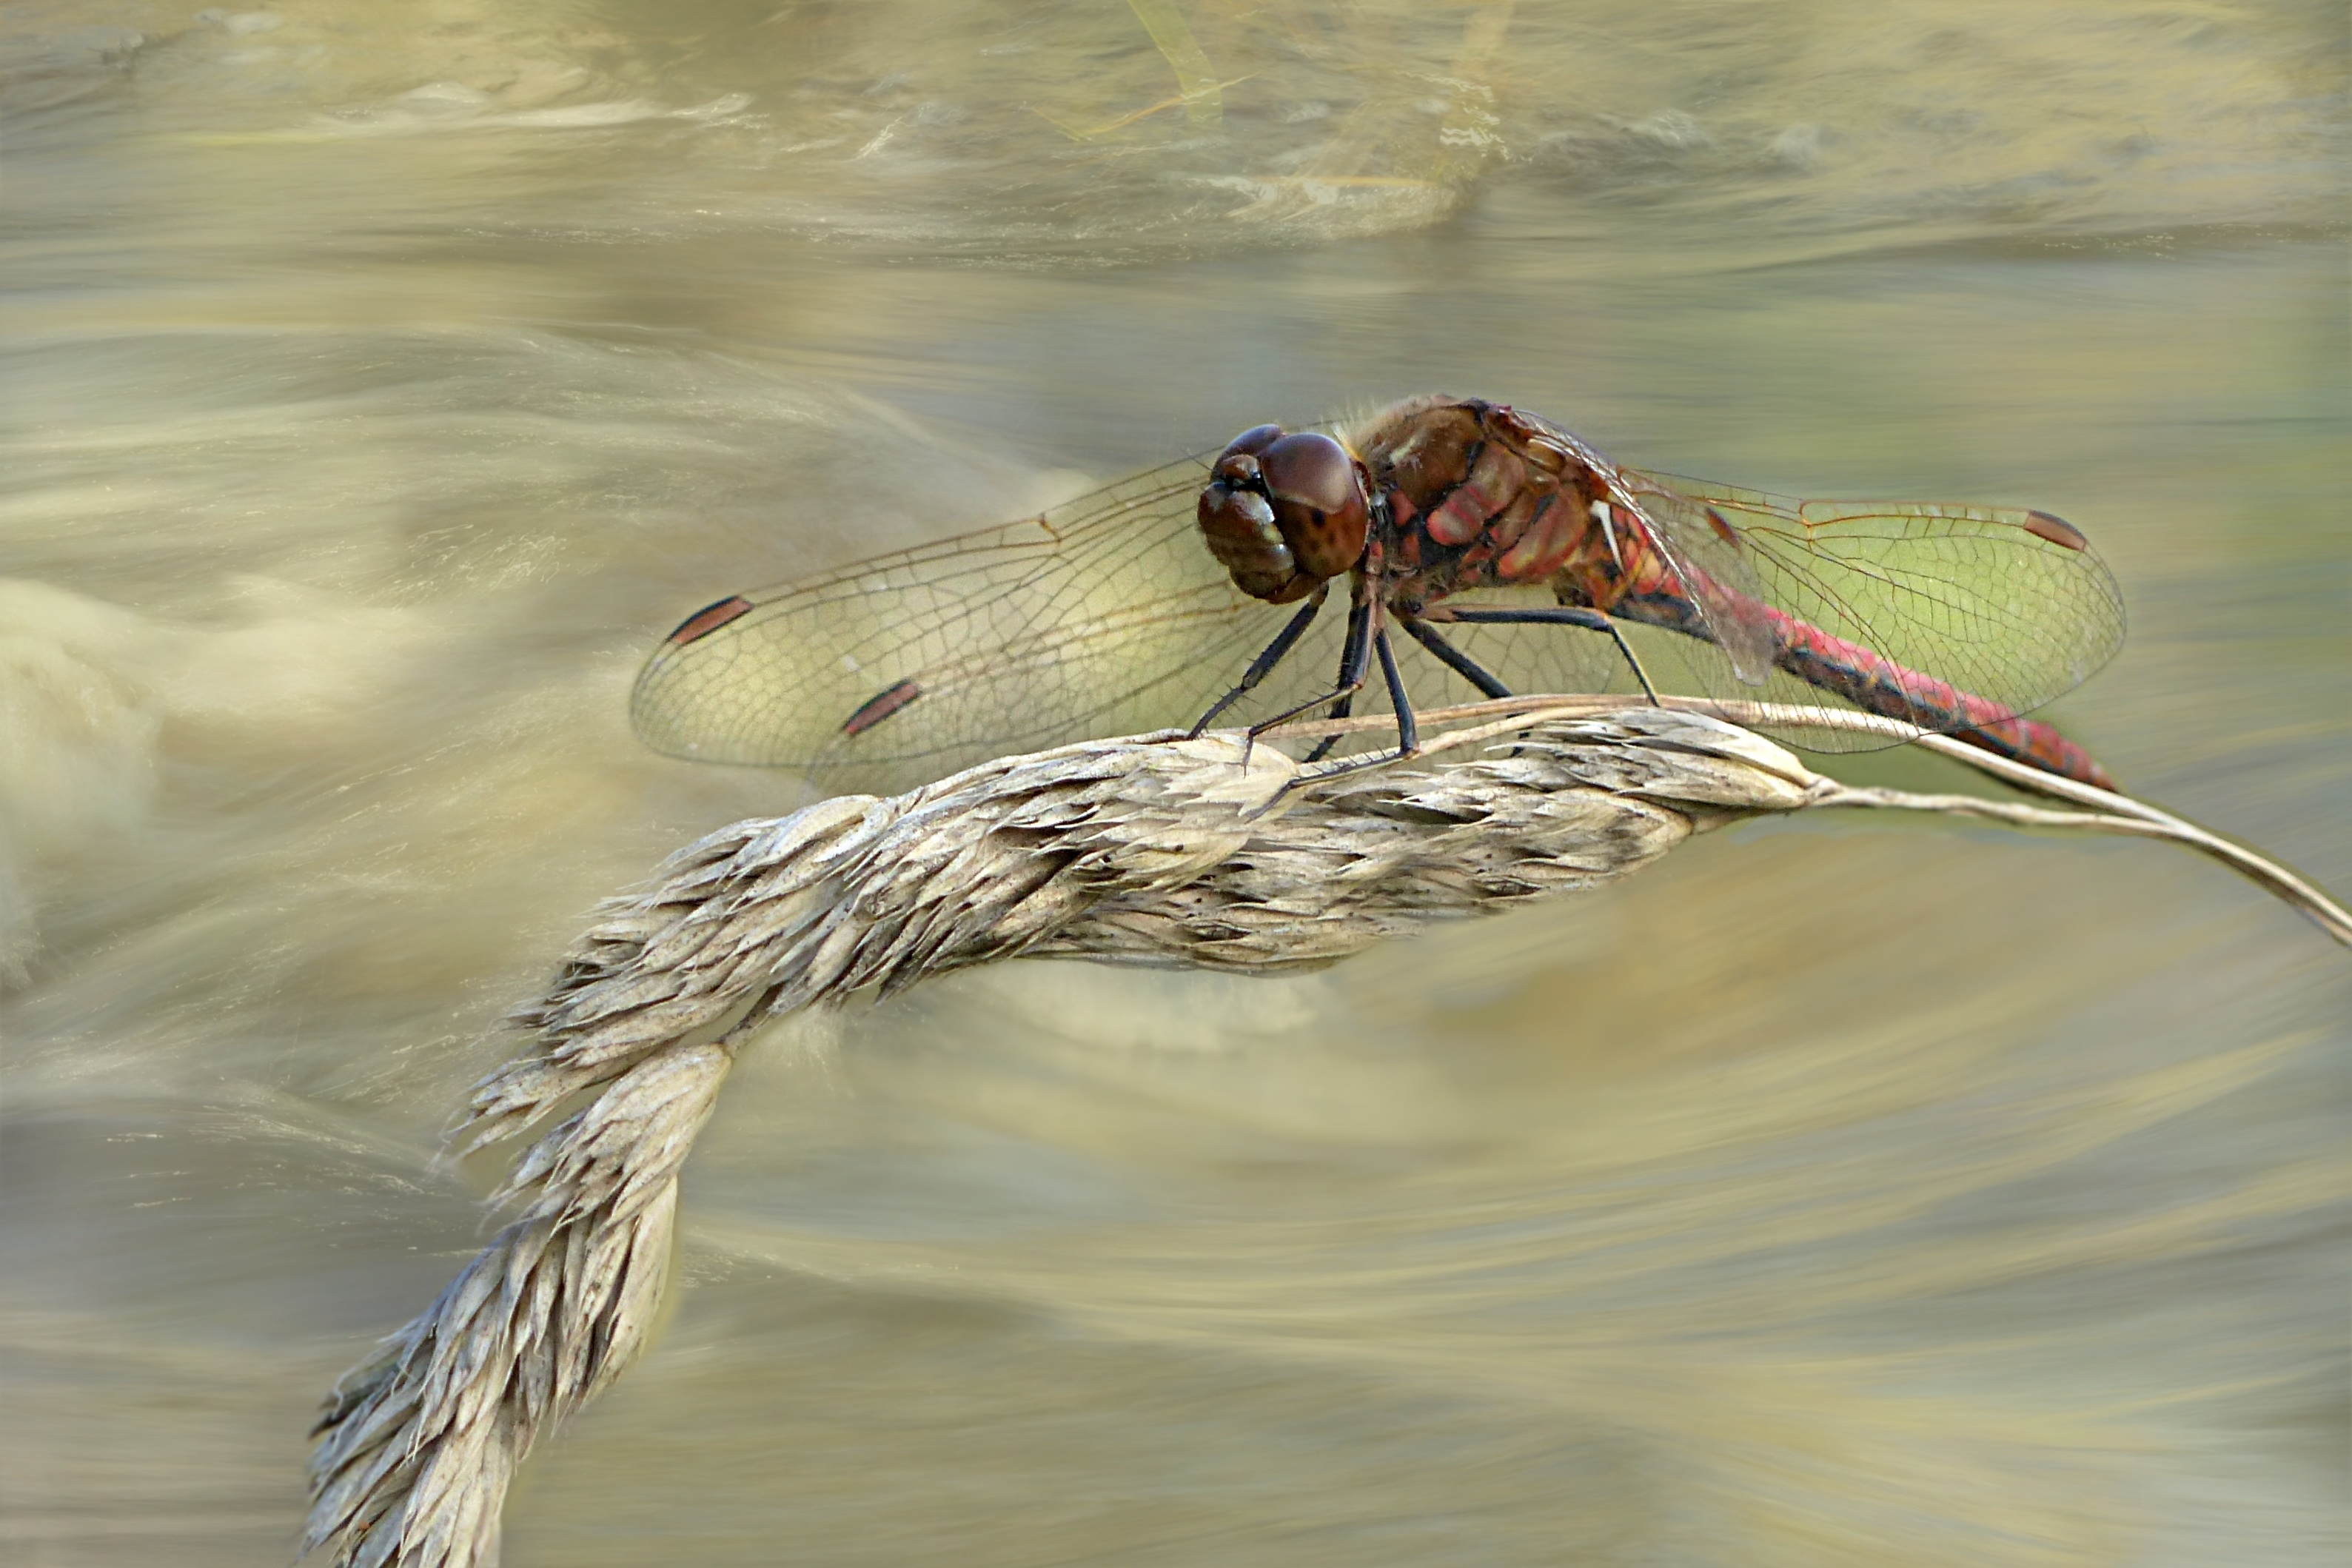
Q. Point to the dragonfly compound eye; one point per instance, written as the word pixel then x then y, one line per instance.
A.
pixel 1239 529
pixel 1252 441
pixel 1318 501
pixel 1238 524
pixel 1284 512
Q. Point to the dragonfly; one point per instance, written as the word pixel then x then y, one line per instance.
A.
pixel 1491 547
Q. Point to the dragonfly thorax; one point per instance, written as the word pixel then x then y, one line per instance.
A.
pixel 1284 512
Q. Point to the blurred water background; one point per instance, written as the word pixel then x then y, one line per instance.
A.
pixel 381 382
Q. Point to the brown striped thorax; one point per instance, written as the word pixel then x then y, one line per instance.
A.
pixel 1432 496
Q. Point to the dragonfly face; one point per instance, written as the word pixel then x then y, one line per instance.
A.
pixel 1284 512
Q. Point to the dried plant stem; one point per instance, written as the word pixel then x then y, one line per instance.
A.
pixel 420 1441
pixel 1201 852
pixel 2108 811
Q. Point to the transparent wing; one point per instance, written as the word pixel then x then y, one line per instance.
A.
pixel 1714 562
pixel 1103 616
pixel 1933 602
pixel 2004 604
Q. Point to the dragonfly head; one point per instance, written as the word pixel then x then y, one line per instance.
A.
pixel 1284 512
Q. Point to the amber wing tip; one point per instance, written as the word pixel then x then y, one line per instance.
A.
pixel 709 619
pixel 2056 529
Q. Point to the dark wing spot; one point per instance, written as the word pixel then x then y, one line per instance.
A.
pixel 1722 530
pixel 2056 529
pixel 880 705
pixel 708 619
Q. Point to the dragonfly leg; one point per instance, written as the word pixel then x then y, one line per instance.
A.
pixel 1408 732
pixel 1461 663
pixel 1564 615
pixel 1355 654
pixel 1453 658
pixel 1263 665
pixel 1339 710
pixel 1408 728
pixel 1634 659
pixel 1353 658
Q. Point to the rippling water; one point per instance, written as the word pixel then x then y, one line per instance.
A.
pixel 381 381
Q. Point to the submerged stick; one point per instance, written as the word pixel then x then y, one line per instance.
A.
pixel 1155 849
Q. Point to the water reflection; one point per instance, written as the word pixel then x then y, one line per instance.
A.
pixel 382 381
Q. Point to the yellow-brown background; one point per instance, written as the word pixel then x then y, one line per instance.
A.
pixel 380 380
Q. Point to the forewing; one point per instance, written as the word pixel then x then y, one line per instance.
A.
pixel 1103 617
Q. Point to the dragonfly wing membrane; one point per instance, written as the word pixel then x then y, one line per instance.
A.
pixel 2006 604
pixel 1710 556
pixel 1103 616
pixel 934 657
